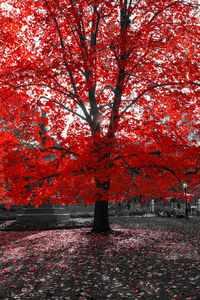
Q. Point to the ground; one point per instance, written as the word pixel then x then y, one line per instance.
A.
pixel 144 258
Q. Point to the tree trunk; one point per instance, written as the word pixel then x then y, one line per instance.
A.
pixel 102 180
pixel 101 220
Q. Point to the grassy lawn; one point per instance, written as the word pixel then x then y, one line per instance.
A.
pixel 144 258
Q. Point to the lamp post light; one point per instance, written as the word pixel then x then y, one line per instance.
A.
pixel 186 204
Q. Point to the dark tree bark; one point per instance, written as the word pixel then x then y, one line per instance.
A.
pixel 101 219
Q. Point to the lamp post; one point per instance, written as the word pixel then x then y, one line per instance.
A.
pixel 152 206
pixel 186 204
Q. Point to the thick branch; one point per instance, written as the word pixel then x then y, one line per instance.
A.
pixel 124 54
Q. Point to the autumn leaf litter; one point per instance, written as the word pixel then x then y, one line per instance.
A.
pixel 71 264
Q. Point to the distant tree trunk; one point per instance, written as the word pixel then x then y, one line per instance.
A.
pixel 101 220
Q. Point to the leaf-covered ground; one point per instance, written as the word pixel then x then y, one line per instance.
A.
pixel 152 258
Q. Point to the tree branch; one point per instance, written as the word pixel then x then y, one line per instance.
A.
pixel 106 86
pixel 61 105
pixel 161 10
pixel 148 89
pixel 34 84
pixel 67 151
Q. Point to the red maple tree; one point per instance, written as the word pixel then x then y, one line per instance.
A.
pixel 118 84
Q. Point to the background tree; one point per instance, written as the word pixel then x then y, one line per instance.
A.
pixel 127 71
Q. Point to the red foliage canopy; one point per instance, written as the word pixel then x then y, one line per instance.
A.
pixel 99 99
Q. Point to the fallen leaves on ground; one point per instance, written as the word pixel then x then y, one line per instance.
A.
pixel 128 264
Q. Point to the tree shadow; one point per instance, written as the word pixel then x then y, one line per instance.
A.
pixel 73 264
